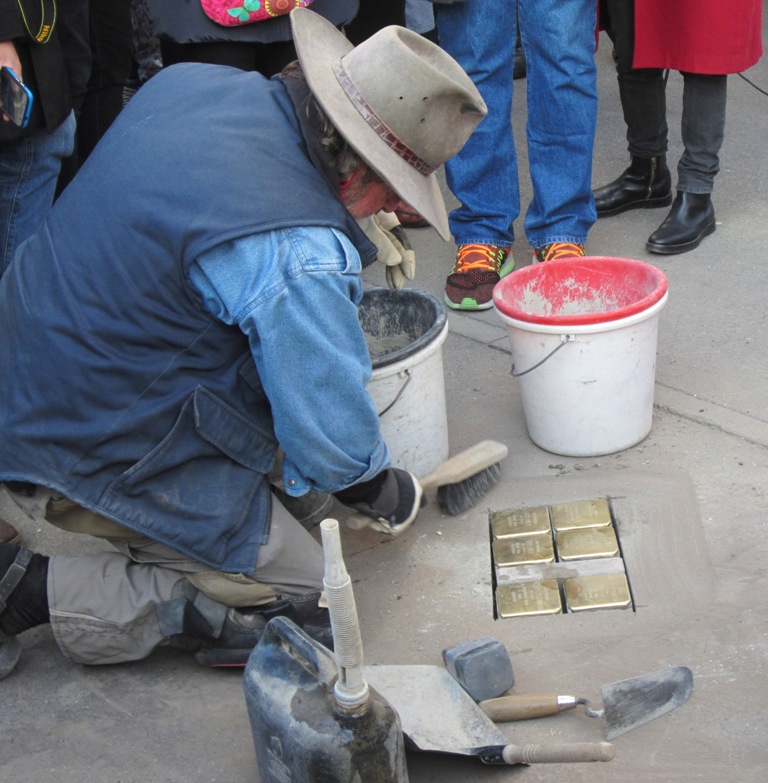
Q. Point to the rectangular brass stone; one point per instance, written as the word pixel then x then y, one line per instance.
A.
pixel 587 542
pixel 513 523
pixel 608 591
pixel 522 551
pixel 581 513
pixel 528 598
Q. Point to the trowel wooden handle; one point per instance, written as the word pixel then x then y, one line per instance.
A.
pixel 524 706
pixel 556 752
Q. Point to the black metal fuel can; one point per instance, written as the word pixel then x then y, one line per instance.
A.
pixel 300 734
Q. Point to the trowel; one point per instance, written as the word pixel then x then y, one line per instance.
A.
pixel 626 704
pixel 439 716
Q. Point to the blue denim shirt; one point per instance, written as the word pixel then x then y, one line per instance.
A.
pixel 294 292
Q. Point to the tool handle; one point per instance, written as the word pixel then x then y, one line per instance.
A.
pixel 524 706
pixel 555 752
pixel 465 464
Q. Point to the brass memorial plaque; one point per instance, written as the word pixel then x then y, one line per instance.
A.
pixel 587 542
pixel 523 551
pixel 528 598
pixel 513 523
pixel 581 513
pixel 607 591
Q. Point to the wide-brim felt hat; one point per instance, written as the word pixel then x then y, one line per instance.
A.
pixel 401 102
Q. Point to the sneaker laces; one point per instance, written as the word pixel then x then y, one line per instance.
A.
pixel 560 250
pixel 479 258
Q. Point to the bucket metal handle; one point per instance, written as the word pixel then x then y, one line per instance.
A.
pixel 564 338
pixel 399 394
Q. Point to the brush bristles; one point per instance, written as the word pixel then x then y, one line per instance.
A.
pixel 460 497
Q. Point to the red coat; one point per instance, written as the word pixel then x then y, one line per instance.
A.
pixel 700 36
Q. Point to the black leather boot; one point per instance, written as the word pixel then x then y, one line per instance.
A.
pixel 23 590
pixel 647 183
pixel 691 218
pixel 243 628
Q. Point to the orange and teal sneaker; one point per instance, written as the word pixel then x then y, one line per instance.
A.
pixel 557 250
pixel 476 271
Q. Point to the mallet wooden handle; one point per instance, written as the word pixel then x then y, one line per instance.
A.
pixel 551 753
pixel 524 706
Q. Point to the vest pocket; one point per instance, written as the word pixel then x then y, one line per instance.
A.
pixel 202 489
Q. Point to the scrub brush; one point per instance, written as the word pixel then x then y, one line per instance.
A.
pixel 460 481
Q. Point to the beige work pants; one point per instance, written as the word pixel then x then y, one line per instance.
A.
pixel 103 606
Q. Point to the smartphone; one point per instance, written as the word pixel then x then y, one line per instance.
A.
pixel 15 97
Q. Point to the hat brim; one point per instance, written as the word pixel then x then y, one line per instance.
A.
pixel 319 45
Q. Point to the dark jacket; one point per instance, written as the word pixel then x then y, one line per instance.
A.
pixel 184 21
pixel 121 391
pixel 57 71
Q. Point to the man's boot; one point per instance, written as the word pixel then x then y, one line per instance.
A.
pixel 230 642
pixel 691 218
pixel 647 183
pixel 23 599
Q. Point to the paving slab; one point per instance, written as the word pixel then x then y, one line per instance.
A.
pixel 689 505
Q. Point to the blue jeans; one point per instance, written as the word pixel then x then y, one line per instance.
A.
pixel 29 168
pixel 558 38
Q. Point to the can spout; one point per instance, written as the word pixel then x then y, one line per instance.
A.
pixel 351 689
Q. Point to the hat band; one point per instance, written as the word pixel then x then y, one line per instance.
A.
pixel 378 125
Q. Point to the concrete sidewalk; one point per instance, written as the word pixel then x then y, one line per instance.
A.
pixel 689 504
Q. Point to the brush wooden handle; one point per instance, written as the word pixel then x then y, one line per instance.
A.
pixel 556 752
pixel 465 464
pixel 525 706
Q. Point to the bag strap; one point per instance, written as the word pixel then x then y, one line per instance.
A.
pixel 47 20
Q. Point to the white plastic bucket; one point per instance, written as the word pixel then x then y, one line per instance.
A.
pixel 583 333
pixel 405 331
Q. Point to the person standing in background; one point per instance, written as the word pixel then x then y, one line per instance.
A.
pixel 56 68
pixel 705 40
pixel 558 37
pixel 186 34
pixel 110 33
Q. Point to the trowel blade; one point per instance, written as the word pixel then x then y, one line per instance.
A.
pixel 637 700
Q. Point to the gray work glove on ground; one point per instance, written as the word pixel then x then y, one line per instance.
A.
pixel 389 502
pixel 393 246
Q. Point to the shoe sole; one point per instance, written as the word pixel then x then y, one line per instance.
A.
pixel 645 203
pixel 467 305
pixel 672 250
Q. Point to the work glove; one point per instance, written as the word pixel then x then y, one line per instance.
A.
pixel 393 247
pixel 389 502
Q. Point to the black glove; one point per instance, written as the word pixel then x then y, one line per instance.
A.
pixel 391 500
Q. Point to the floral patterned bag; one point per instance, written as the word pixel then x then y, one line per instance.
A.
pixel 236 12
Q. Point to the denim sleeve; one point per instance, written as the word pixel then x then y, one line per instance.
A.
pixel 294 293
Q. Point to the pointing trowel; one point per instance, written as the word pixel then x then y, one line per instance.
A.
pixel 626 704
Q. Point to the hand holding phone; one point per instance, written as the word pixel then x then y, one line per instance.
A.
pixel 15 97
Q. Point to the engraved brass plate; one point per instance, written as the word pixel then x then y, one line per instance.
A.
pixel 523 551
pixel 581 513
pixel 528 598
pixel 520 522
pixel 587 542
pixel 607 591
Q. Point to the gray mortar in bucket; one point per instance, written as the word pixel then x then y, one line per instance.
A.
pixel 398 324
